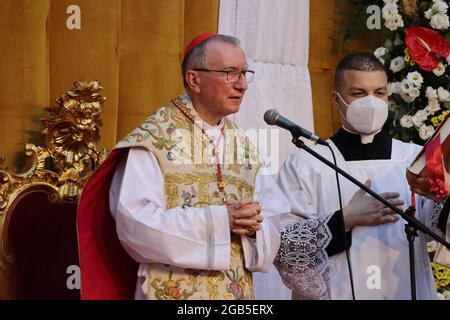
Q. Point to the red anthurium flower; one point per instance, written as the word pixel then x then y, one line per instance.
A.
pixel 424 45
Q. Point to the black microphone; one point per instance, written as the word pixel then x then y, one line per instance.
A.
pixel 272 117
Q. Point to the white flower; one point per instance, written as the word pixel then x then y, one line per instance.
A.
pixel 431 93
pixel 379 53
pixel 406 121
pixel 446 295
pixel 414 92
pixel 394 87
pixel 443 95
pixel 439 70
pixel 416 78
pixel 440 21
pixel 443 296
pixel 448 59
pixel 393 20
pixel 410 95
pixel 389 11
pixel 433 106
pixel 394 23
pixel 419 118
pixel 439 7
pixel 425 132
pixel 409 91
pixel 390 1
pixel 406 85
pixel 397 64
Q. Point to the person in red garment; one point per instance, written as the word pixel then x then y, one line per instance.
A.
pixel 435 206
pixel 181 208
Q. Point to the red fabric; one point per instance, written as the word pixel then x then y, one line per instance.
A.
pixel 107 271
pixel 435 168
pixel 42 237
pixel 424 45
pixel 196 41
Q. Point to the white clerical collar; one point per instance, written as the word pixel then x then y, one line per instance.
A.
pixel 205 125
pixel 365 138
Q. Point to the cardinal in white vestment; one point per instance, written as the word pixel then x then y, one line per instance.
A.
pixel 182 209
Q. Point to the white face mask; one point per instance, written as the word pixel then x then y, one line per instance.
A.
pixel 366 115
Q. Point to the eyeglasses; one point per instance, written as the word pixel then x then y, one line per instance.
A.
pixel 233 75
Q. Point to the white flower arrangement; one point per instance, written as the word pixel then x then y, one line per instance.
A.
pixel 416 57
pixel 420 99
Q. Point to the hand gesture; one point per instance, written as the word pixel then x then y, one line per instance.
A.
pixel 244 217
pixel 364 210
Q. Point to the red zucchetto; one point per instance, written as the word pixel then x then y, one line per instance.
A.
pixel 196 41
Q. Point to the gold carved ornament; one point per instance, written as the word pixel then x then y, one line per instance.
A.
pixel 61 167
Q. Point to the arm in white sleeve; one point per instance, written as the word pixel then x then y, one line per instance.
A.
pixel 260 253
pixel 197 238
pixel 302 260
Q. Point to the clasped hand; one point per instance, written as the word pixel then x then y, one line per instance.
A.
pixel 244 217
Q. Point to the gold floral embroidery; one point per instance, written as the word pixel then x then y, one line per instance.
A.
pixel 236 168
pixel 214 278
pixel 207 193
pixel 235 246
pixel 172 289
pixel 249 280
pixel 236 286
pixel 194 283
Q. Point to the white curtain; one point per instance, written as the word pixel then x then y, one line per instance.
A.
pixel 275 37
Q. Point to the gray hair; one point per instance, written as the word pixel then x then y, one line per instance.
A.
pixel 197 57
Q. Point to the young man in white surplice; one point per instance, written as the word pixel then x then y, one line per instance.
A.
pixel 312 259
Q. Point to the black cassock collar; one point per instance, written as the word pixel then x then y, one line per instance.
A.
pixel 349 144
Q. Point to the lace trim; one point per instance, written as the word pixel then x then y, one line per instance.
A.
pixel 432 211
pixel 210 239
pixel 302 260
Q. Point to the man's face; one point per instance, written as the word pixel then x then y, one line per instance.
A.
pixel 359 84
pixel 220 97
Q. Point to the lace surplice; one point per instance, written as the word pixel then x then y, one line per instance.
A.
pixel 302 259
pixel 431 213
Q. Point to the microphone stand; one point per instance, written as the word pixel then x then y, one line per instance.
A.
pixel 412 223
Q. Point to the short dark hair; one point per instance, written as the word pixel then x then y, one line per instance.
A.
pixel 197 57
pixel 360 61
